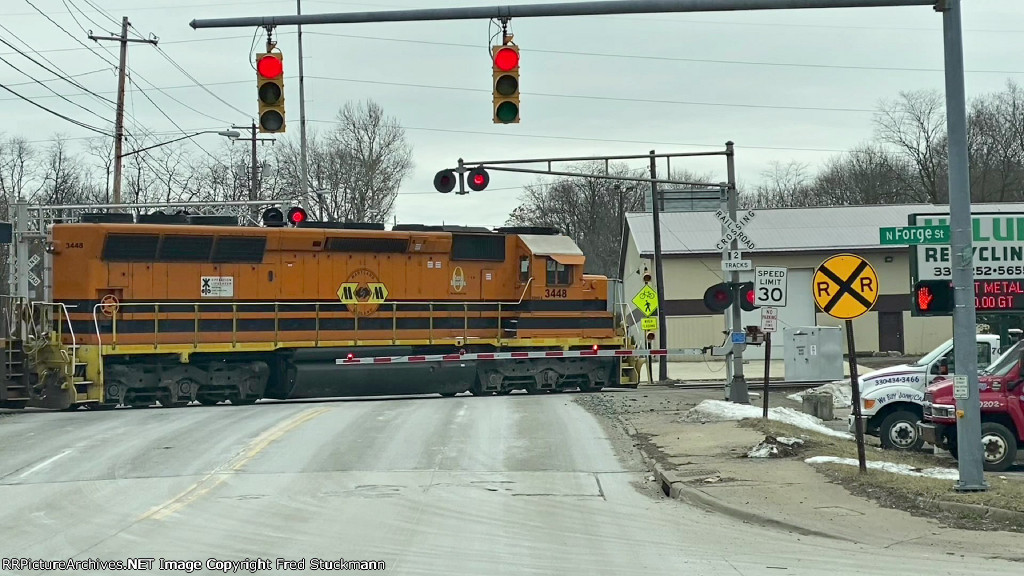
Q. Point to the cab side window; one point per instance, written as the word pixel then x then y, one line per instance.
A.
pixel 558 274
pixel 984 354
pixel 524 269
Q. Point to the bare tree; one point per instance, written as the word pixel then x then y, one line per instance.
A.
pixel 374 157
pixel 589 210
pixel 782 185
pixel 996 146
pixel 61 176
pixel 915 127
pixel 868 174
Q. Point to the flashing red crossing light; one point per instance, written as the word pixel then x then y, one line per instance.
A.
pixel 747 297
pixel 297 216
pixel 718 297
pixel 478 179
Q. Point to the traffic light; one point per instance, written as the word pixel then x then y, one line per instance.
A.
pixel 747 296
pixel 270 90
pixel 718 297
pixel 444 181
pixel 933 298
pixel 506 83
pixel 478 179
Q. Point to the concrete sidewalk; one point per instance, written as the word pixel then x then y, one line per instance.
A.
pixel 713 370
pixel 705 465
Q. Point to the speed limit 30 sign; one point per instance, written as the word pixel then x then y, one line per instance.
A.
pixel 770 286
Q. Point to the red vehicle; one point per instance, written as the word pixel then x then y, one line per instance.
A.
pixel 1002 411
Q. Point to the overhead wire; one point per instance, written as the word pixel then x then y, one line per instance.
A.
pixel 61 96
pixel 58 114
pixel 55 70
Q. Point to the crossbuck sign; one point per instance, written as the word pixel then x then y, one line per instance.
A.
pixel 734 229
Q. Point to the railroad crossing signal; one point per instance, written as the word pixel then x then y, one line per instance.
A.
pixel 718 297
pixel 270 91
pixel 646 300
pixel 505 82
pixel 845 286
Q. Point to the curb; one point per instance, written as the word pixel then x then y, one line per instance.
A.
pixel 985 512
pixel 678 490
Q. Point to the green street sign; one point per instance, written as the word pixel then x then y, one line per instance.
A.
pixel 914 235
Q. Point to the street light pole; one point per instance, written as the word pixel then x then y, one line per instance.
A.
pixel 225 133
pixel 302 114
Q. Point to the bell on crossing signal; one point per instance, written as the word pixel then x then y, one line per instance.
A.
pixel 718 297
pixel 747 296
pixel 505 82
pixel 478 179
pixel 933 298
pixel 270 91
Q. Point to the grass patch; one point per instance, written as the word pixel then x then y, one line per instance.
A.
pixel 908 493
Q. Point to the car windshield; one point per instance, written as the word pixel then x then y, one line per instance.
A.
pixel 934 354
pixel 1005 363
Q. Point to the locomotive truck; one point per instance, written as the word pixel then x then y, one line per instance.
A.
pixel 172 309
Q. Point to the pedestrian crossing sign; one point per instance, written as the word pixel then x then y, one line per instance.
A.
pixel 646 300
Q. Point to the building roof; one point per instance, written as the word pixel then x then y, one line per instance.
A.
pixel 786 229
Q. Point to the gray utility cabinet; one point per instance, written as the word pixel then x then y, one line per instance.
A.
pixel 813 353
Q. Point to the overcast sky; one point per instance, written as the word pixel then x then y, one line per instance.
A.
pixel 782 85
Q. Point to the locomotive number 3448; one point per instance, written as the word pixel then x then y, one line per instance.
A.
pixel 555 293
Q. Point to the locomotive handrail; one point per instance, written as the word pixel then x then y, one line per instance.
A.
pixel 278 305
pixel 71 329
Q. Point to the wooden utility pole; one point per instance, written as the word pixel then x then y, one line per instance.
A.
pixel 119 120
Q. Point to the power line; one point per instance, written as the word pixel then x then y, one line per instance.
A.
pixel 584 139
pixel 58 114
pixel 606 98
pixel 55 70
pixel 62 97
pixel 665 58
pixel 198 83
pixel 72 36
pixel 171 120
pixel 90 73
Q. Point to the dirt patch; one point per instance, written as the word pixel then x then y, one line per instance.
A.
pixel 912 494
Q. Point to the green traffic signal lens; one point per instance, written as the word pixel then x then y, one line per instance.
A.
pixel 507 112
pixel 272 120
pixel 506 85
pixel 270 93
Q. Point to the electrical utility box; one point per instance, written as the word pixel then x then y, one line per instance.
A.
pixel 813 353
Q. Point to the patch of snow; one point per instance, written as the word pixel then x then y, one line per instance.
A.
pixel 722 411
pixel 763 450
pixel 789 441
pixel 903 469
pixel 841 392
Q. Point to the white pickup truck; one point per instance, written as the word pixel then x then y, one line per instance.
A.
pixel 892 398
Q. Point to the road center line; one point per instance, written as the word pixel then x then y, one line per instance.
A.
pixel 221 473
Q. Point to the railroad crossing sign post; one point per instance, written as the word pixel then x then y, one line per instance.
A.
pixel 845 286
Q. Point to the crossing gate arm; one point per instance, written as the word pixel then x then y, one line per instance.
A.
pixel 351 359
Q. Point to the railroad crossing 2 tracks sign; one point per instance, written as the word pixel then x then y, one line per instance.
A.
pixel 845 286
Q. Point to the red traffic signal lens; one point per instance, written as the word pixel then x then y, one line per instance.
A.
pixel 506 59
pixel 478 179
pixel 269 66
pixel 444 181
pixel 297 215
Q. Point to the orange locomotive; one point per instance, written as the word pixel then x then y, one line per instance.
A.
pixel 174 312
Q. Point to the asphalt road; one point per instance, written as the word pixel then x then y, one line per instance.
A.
pixel 501 485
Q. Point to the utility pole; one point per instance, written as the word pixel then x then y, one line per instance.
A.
pixel 658 269
pixel 738 386
pixel 254 178
pixel 302 114
pixel 119 118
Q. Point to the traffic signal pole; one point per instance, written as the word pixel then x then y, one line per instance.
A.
pixel 304 169
pixel 119 114
pixel 970 457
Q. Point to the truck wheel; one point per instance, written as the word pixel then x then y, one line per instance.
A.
pixel 899 432
pixel 1000 446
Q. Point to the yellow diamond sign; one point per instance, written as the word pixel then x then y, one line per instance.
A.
pixel 646 300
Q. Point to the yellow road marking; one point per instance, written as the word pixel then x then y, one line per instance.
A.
pixel 219 475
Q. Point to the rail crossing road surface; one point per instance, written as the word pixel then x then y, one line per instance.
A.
pixel 502 485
